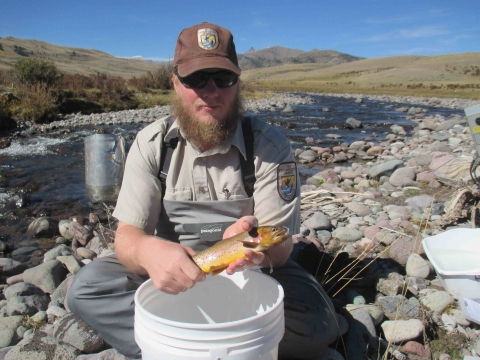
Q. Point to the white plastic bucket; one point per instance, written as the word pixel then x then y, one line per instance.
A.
pixel 237 317
pixel 455 255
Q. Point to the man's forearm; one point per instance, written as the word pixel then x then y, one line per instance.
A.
pixel 129 244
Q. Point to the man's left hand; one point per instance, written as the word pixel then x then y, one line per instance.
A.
pixel 253 258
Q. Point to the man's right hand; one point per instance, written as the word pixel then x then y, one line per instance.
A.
pixel 168 264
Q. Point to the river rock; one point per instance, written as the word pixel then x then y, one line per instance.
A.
pixel 347 234
pixel 318 221
pixel 22 289
pixel 46 276
pixel 307 156
pixel 375 312
pixel 375 151
pixel 42 347
pixel 352 123
pixel 72 330
pixel 385 169
pixel 437 301
pixel 63 227
pixel 82 233
pixel 43 227
pixel 8 330
pixel 400 331
pixel 402 177
pixel 86 253
pixel 56 251
pixel 417 266
pixel 399 306
pixel 403 247
pixel 440 158
pixel 27 305
pixel 9 267
pixel 96 245
pixel 70 263
pixel 415 348
pixel 110 354
pixel 391 286
pixel 358 208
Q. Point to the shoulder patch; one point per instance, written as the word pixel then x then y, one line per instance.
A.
pixel 287 180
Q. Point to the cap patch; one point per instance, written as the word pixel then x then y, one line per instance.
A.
pixel 207 39
pixel 287 180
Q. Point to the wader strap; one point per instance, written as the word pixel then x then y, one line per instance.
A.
pixel 247 165
pixel 169 144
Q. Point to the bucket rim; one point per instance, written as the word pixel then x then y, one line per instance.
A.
pixel 139 307
pixel 438 269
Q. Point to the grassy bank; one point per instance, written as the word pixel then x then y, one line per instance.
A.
pixel 448 90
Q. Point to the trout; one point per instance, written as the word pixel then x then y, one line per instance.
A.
pixel 217 257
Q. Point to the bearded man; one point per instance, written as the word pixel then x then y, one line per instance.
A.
pixel 161 217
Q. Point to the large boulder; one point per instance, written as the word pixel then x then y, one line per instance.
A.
pixel 46 276
pixel 27 305
pixel 8 330
pixel 42 347
pixel 72 330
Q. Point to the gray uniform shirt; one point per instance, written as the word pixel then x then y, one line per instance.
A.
pixel 196 176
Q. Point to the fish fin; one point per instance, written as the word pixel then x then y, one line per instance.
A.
pixel 215 270
pixel 250 244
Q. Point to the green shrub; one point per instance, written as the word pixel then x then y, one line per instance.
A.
pixel 34 71
pixel 159 79
pixel 37 103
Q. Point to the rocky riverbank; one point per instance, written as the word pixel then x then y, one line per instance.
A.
pixel 375 203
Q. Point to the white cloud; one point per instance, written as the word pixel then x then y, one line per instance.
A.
pixel 419 32
pixel 423 32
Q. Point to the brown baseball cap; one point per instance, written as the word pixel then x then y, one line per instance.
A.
pixel 205 46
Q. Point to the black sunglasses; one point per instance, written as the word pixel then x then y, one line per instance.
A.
pixel 199 79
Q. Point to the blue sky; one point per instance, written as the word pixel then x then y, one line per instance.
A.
pixel 370 28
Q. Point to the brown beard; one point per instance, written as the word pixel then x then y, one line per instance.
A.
pixel 206 134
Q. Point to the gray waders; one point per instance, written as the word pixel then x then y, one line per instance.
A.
pixel 102 293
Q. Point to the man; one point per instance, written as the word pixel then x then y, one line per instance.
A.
pixel 160 228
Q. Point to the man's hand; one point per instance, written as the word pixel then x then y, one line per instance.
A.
pixel 253 258
pixel 168 264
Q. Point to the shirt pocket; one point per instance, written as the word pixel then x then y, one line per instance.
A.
pixel 179 194
pixel 237 194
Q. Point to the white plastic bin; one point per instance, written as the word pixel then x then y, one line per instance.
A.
pixel 238 317
pixel 455 255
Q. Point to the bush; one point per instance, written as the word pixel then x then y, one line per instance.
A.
pixel 159 79
pixel 34 71
pixel 37 103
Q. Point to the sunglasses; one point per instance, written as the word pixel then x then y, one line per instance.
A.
pixel 198 80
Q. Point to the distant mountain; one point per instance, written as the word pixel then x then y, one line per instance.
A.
pixel 277 55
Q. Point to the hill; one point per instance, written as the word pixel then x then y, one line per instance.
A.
pixel 70 59
pixel 277 56
pixel 453 75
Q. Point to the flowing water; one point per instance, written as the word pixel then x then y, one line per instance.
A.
pixel 44 174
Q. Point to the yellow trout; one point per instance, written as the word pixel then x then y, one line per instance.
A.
pixel 217 257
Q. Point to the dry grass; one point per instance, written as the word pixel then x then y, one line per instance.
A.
pixel 73 60
pixel 456 75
